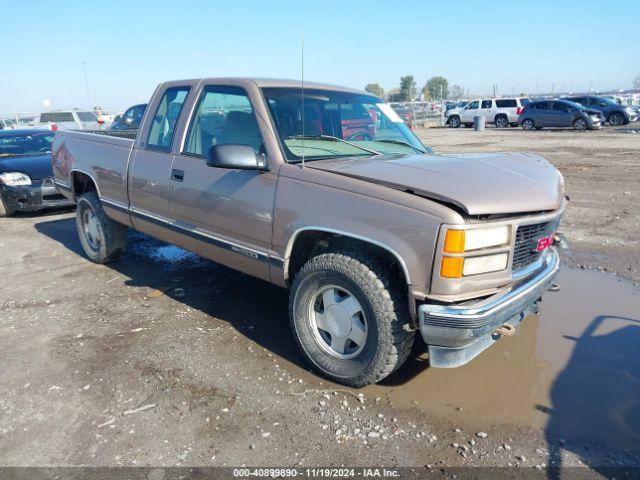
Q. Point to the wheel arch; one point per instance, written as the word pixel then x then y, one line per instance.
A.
pixel 305 241
pixel 81 182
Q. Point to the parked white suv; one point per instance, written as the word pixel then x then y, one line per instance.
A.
pixel 68 120
pixel 502 112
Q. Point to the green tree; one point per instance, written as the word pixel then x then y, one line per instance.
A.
pixel 375 89
pixel 457 92
pixel 438 87
pixel 426 95
pixel 408 88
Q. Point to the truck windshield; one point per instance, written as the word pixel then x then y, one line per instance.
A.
pixel 329 124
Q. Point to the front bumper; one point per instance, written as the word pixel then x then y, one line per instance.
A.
pixel 456 334
pixel 39 195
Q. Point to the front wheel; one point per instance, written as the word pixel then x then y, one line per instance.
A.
pixel 580 124
pixel 102 239
pixel 528 124
pixel 349 319
pixel 454 121
pixel 5 210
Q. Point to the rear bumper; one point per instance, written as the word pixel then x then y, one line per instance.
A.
pixel 455 334
pixel 38 196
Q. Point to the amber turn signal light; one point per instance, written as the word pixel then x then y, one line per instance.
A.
pixel 452 267
pixel 454 241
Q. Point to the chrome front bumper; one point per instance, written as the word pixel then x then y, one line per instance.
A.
pixel 456 334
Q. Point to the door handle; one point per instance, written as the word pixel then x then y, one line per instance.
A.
pixel 177 175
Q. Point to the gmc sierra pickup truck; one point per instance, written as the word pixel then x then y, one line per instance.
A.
pixel 325 191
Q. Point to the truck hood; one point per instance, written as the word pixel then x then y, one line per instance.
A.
pixel 477 183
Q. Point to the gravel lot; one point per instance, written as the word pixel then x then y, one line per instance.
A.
pixel 166 359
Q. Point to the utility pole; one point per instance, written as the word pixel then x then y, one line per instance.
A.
pixel 86 83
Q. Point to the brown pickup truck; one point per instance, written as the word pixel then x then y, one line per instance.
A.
pixel 325 191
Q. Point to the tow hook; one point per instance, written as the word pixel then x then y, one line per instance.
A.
pixel 506 330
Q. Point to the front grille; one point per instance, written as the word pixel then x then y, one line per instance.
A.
pixel 527 237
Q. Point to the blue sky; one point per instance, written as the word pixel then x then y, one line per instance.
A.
pixel 129 47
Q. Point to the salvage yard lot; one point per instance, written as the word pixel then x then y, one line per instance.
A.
pixel 163 358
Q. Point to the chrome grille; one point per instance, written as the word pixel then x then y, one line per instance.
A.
pixel 527 237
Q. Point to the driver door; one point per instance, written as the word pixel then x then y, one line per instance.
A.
pixel 223 214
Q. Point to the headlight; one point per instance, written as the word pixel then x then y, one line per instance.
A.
pixel 485 264
pixel 473 240
pixel 459 241
pixel 15 179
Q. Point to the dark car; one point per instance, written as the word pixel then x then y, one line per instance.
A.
pixel 559 113
pixel 26 176
pixel 614 113
pixel 129 120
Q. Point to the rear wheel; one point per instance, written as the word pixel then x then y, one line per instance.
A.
pixel 580 124
pixel 528 124
pixel 349 319
pixel 616 119
pixel 454 121
pixel 5 210
pixel 501 121
pixel 102 239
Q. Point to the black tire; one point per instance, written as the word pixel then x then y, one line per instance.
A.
pixel 108 239
pixel 616 119
pixel 501 121
pixel 580 124
pixel 5 210
pixel 388 339
pixel 454 121
pixel 528 124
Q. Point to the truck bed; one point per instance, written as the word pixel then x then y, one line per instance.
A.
pixel 102 155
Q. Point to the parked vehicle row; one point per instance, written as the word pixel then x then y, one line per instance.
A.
pixel 580 112
pixel 327 192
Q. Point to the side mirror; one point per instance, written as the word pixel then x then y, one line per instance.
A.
pixel 235 156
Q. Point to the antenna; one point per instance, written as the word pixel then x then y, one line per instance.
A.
pixel 302 92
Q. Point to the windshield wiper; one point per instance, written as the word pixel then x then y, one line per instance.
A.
pixel 333 139
pixel 402 142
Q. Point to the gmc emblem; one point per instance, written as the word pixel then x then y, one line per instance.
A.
pixel 544 243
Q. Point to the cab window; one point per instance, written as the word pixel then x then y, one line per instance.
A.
pixel 224 116
pixel 472 105
pixel 166 117
pixel 486 104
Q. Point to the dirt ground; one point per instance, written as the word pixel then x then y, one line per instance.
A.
pixel 602 174
pixel 165 359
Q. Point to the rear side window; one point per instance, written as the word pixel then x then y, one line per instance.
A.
pixel 87 117
pixel 561 106
pixel 506 103
pixel 486 104
pixel 166 117
pixel 56 117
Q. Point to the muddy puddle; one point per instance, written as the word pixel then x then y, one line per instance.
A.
pixel 573 369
